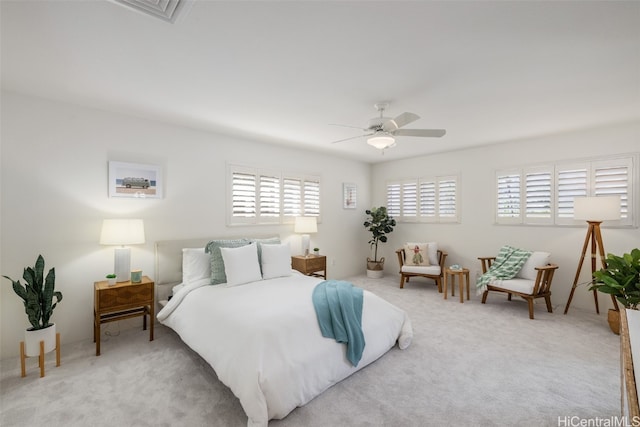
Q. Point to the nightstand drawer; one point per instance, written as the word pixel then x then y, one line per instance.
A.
pixel 126 296
pixel 316 263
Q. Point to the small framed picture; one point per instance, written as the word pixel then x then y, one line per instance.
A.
pixel 349 196
pixel 135 180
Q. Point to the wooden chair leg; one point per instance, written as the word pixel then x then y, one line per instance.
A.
pixel 41 359
pixel 401 281
pixel 530 302
pixel 58 349
pixel 548 301
pixel 23 370
pixel 484 296
pixel 439 284
pixel 509 297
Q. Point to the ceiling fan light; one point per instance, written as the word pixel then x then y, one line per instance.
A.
pixel 381 141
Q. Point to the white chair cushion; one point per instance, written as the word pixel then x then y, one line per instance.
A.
pixel 432 251
pixel 536 259
pixel 433 270
pixel 524 286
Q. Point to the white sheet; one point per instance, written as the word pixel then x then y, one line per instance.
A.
pixel 264 342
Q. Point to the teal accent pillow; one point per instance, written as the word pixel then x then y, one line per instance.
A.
pixel 218 275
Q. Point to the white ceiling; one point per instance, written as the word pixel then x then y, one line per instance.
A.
pixel 281 72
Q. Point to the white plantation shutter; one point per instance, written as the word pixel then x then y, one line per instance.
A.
pixel 538 196
pixel 265 197
pixel 269 197
pixel 571 182
pixel 447 199
pixel 508 197
pixel 311 194
pixel 432 199
pixel 410 201
pixel 428 199
pixel 291 197
pixel 243 196
pixel 394 199
pixel 613 178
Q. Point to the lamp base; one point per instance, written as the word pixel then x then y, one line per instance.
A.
pixel 122 264
pixel 305 244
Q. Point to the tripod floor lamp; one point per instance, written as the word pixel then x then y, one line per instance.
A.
pixel 594 210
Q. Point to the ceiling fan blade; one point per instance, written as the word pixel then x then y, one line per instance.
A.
pixel 351 137
pixel 347 126
pixel 401 120
pixel 433 133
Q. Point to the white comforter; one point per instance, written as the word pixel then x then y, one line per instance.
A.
pixel 264 342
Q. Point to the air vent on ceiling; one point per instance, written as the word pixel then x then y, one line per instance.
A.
pixel 167 10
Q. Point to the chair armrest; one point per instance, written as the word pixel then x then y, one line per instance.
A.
pixel 547 267
pixel 486 262
pixel 400 253
pixel 442 256
pixel 544 278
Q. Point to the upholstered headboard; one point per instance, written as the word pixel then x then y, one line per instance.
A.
pixel 168 262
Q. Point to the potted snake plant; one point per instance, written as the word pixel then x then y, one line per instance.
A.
pixel 379 223
pixel 620 279
pixel 38 294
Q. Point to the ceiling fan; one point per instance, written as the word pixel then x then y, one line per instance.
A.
pixel 381 131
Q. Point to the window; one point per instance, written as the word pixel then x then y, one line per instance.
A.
pixel 429 199
pixel 545 194
pixel 524 196
pixel 260 196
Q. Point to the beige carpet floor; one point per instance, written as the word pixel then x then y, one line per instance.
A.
pixel 469 365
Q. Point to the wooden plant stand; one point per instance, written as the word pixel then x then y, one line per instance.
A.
pixel 23 356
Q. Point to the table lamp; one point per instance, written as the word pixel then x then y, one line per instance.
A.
pixel 306 225
pixel 122 232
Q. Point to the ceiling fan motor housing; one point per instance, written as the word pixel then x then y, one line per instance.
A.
pixel 377 122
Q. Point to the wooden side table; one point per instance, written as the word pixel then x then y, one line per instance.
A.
pixel 310 265
pixel 122 301
pixel 463 276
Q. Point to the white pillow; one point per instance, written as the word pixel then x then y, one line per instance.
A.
pixel 196 264
pixel 241 264
pixel 536 259
pixel 276 261
pixel 432 251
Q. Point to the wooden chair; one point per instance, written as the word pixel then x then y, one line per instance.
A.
pixel 435 272
pixel 532 281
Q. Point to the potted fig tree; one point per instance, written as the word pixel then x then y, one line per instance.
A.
pixel 620 279
pixel 379 223
pixel 38 294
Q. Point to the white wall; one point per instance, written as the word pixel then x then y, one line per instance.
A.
pixel 54 197
pixel 477 235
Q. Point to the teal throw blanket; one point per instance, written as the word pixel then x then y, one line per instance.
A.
pixel 507 264
pixel 338 306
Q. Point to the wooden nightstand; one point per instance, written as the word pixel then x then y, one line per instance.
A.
pixel 310 265
pixel 122 301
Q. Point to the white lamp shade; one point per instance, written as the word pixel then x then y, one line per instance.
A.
pixel 306 224
pixel 596 208
pixel 122 232
pixel 381 141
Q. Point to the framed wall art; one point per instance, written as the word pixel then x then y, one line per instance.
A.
pixel 135 180
pixel 349 196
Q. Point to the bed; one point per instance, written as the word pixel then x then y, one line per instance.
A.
pixel 262 336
